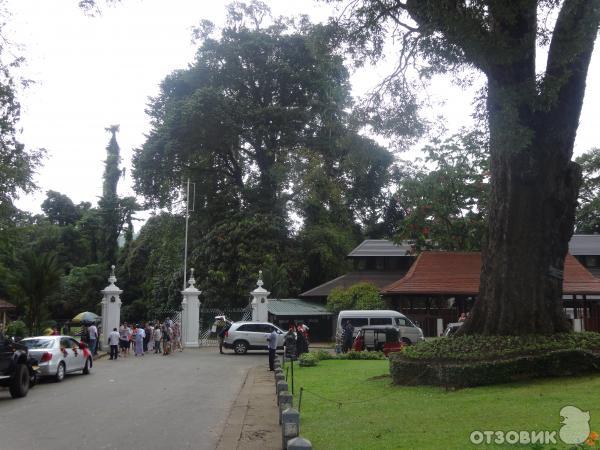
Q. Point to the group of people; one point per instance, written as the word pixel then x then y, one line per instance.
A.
pixel 158 337
pixel 344 338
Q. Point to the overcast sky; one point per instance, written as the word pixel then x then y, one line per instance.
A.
pixel 91 72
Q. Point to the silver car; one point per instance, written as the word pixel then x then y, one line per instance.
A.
pixel 244 336
pixel 58 355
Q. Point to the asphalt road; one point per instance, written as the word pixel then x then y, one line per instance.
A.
pixel 178 402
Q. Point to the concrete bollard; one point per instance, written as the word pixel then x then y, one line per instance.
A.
pixel 280 387
pixel 279 377
pixel 299 443
pixel 278 372
pixel 285 401
pixel 290 425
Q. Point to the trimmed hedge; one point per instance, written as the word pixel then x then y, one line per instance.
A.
pixel 312 358
pixel 555 363
pixel 477 347
pixel 482 360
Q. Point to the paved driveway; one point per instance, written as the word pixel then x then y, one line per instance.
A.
pixel 153 402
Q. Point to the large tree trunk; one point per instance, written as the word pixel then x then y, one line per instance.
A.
pixel 534 185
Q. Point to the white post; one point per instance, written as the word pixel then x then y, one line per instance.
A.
pixel 190 314
pixel 111 308
pixel 578 325
pixel 260 302
pixel 440 326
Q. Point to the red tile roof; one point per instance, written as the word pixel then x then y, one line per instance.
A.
pixel 456 273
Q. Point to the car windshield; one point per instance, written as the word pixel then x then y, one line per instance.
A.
pixel 38 343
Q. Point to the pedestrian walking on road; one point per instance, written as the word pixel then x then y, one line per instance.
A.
pixel 272 338
pixel 113 341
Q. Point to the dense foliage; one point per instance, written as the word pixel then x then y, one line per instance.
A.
pixel 261 123
pixel 358 296
pixel 463 348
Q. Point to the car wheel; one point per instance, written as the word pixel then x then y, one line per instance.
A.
pixel 88 365
pixel 20 385
pixel 406 341
pixel 60 372
pixel 240 347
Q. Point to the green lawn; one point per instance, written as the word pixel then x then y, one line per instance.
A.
pixel 335 415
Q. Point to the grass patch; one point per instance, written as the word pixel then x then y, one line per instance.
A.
pixel 353 405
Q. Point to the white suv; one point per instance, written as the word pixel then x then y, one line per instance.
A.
pixel 244 336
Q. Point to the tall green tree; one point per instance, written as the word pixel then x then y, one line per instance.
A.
pixel 60 209
pixel 36 281
pixel 241 123
pixel 109 202
pixel 444 199
pixel 532 120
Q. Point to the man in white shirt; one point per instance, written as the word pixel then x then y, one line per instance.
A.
pixel 113 341
pixel 93 333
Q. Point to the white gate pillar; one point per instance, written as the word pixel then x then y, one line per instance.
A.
pixel 260 302
pixel 190 314
pixel 111 308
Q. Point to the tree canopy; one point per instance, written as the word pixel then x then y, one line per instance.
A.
pixel 532 120
pixel 262 123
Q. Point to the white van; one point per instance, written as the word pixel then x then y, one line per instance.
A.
pixel 409 332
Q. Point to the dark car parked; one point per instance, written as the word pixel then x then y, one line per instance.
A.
pixel 17 371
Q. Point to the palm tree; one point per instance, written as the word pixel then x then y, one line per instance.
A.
pixel 37 278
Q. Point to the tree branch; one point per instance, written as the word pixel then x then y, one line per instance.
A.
pixel 569 57
pixel 459 24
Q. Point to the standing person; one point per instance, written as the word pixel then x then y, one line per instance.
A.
pixel 221 334
pixel 55 332
pixel 347 336
pixel 93 333
pixel 157 337
pixel 146 336
pixel 130 341
pixel 301 343
pixel 139 341
pixel 272 338
pixel 177 337
pixel 303 328
pixel 150 334
pixel 113 341
pixel 338 342
pixel 123 339
pixel 166 336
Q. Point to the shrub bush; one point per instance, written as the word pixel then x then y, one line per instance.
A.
pixel 473 348
pixel 323 355
pixel 361 355
pixel 16 328
pixel 308 360
pixel 481 360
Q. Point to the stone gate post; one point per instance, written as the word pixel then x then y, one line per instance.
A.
pixel 190 314
pixel 111 308
pixel 260 302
